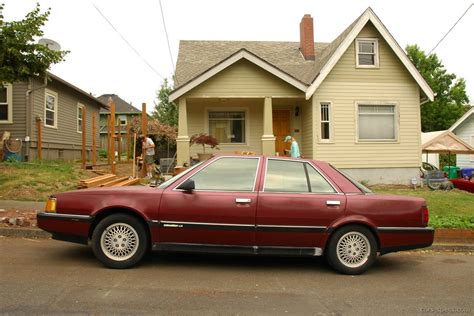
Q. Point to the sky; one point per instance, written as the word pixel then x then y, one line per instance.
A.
pixel 100 62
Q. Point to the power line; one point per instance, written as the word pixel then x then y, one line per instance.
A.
pixel 167 39
pixel 451 28
pixel 128 43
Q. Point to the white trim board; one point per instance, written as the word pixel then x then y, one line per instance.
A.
pixel 462 119
pixel 367 16
pixel 241 54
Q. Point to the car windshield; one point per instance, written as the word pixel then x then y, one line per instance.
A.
pixel 359 185
pixel 168 182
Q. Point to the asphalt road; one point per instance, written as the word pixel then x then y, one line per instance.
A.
pixel 52 277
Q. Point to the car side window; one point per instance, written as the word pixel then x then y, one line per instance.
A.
pixel 227 174
pixel 317 182
pixel 285 176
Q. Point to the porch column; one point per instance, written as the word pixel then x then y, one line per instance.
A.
pixel 268 139
pixel 182 142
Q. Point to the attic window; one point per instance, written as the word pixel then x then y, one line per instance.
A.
pixel 367 51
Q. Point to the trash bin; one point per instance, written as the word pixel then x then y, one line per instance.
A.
pixel 467 172
pixel 452 171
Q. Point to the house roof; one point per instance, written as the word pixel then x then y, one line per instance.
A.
pixel 199 60
pixel 70 85
pixel 121 106
pixel 462 119
pixel 444 142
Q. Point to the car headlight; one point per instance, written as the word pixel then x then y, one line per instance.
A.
pixel 50 206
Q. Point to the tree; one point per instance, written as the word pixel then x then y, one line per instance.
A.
pixel 451 99
pixel 20 56
pixel 165 111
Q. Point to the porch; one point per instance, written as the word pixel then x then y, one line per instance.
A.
pixel 241 124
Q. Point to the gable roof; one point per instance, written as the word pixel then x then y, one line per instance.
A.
pixel 121 106
pixel 462 119
pixel 444 142
pixel 70 85
pixel 200 60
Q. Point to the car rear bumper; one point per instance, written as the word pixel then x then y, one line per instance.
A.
pixel 67 227
pixel 393 239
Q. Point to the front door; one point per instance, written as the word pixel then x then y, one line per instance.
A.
pixel 281 129
pixel 220 211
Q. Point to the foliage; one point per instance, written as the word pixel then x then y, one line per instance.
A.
pixel 204 139
pixel 446 160
pixel 35 181
pixel 165 111
pixel 447 209
pixel 20 57
pixel 159 130
pixel 451 99
pixel 102 153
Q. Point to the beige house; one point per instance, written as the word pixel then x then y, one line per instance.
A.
pixel 354 102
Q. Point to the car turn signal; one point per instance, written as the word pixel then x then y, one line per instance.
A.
pixel 50 206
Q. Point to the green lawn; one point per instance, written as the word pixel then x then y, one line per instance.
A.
pixel 447 209
pixel 36 181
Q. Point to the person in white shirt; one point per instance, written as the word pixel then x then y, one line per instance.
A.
pixel 148 150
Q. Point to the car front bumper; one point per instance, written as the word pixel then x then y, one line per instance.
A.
pixel 66 227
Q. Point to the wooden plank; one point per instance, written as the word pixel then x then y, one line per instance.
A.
pixel 83 150
pixel 127 182
pixel 94 178
pixel 114 181
pixel 99 178
pixel 99 182
pixel 112 147
pixel 94 136
pixel 144 133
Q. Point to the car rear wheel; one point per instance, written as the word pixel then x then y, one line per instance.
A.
pixel 351 250
pixel 119 241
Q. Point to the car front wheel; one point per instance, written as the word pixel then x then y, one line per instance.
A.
pixel 352 250
pixel 119 241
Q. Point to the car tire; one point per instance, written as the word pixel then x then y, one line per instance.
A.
pixel 351 250
pixel 119 241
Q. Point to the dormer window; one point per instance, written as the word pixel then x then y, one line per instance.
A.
pixel 367 51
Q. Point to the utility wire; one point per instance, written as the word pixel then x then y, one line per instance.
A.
pixel 128 43
pixel 168 41
pixel 470 6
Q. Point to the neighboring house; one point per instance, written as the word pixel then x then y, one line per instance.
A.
pixel 124 113
pixel 464 129
pixel 354 102
pixel 58 104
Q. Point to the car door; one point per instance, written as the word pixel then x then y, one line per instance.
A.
pixel 220 210
pixel 296 205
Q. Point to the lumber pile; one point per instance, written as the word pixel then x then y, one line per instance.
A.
pixel 107 180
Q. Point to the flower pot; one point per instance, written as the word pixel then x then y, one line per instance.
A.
pixel 203 157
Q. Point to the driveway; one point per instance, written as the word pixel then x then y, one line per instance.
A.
pixel 47 276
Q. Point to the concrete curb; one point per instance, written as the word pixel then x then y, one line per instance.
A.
pixel 38 233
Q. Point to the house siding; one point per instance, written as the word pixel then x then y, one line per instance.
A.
pixel 244 79
pixel 390 83
pixel 465 131
pixel 17 129
pixel 307 130
pixel 65 137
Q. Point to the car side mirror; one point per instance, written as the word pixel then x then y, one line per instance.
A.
pixel 187 186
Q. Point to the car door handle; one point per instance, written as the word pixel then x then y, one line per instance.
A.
pixel 242 200
pixel 333 203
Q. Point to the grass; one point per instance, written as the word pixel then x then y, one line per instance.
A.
pixel 447 209
pixel 35 181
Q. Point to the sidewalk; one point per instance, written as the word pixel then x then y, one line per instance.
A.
pixel 22 205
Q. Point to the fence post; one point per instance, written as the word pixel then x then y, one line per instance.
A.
pixel 144 132
pixel 94 144
pixel 83 130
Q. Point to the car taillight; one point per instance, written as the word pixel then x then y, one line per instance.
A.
pixel 424 216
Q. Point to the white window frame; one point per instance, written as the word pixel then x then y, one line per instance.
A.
pixel 330 120
pixel 55 95
pixel 376 52
pixel 396 123
pixel 79 109
pixel 119 120
pixel 9 103
pixel 230 109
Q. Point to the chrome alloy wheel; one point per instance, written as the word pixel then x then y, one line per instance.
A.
pixel 353 249
pixel 119 241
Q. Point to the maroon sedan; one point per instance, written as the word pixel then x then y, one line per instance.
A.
pixel 252 205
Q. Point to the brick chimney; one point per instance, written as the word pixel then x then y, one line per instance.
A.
pixel 307 37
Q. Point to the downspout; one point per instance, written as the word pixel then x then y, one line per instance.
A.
pixel 30 111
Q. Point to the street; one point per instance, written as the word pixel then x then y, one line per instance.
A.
pixel 43 276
